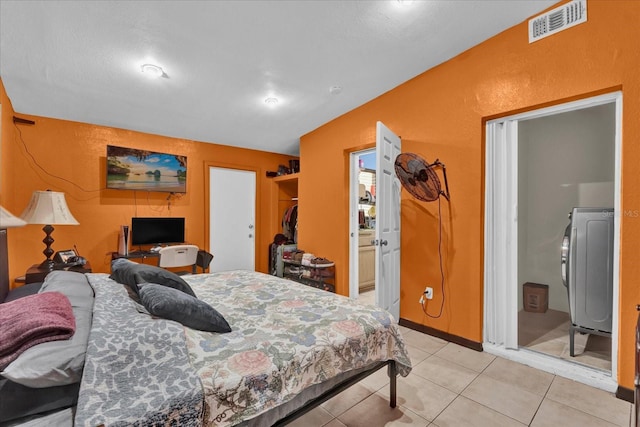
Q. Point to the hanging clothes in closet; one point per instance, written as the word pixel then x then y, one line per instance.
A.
pixel 290 223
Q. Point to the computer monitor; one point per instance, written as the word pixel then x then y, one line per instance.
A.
pixel 153 231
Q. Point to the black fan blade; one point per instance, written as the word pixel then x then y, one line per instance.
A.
pixel 421 175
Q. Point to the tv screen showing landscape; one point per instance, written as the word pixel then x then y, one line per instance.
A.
pixel 133 169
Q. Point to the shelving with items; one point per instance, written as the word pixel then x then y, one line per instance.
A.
pixel 309 270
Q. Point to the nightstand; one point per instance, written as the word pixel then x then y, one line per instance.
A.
pixel 37 274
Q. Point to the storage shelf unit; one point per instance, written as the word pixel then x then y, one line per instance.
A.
pixel 317 276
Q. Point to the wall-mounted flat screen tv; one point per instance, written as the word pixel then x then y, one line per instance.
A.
pixel 133 169
pixel 156 230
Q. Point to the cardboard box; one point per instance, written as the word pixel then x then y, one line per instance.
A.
pixel 535 297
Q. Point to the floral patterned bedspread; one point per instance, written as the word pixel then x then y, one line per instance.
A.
pixel 141 370
pixel 285 337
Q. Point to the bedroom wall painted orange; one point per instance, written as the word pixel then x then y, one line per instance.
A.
pixel 441 113
pixel 70 157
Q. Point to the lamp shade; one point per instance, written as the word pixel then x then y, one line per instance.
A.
pixel 8 220
pixel 48 207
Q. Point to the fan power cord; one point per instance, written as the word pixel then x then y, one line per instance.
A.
pixel 441 267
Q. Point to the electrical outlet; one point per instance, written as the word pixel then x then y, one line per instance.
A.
pixel 428 292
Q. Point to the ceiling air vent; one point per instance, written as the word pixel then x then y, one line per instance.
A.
pixel 558 19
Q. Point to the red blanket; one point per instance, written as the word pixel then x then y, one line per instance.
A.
pixel 32 320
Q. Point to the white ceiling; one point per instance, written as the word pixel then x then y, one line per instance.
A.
pixel 80 60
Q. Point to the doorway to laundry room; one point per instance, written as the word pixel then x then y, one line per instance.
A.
pixel 552 238
pixel 565 164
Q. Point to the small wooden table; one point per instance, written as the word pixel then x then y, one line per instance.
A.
pixel 37 274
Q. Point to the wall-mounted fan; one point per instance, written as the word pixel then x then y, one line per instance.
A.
pixel 421 181
pixel 419 178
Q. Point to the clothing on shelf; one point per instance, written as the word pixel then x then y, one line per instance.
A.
pixel 290 223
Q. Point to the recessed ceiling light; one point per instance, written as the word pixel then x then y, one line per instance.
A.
pixel 271 101
pixel 335 90
pixel 152 70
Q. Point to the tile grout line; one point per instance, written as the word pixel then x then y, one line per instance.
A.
pixel 458 395
pixel 544 396
pixel 355 404
pixel 580 410
pixel 487 407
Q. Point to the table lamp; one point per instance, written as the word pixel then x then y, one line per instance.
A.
pixel 48 208
pixel 7 220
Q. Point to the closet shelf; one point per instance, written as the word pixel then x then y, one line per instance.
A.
pixel 288 177
pixel 288 187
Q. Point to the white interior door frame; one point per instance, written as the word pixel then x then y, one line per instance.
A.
pixel 354 224
pixel 232 228
pixel 500 248
pixel 501 220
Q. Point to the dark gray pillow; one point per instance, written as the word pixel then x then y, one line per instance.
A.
pixel 132 274
pixel 169 303
pixel 23 291
pixel 19 401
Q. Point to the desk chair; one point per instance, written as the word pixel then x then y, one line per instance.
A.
pixel 204 259
pixel 178 256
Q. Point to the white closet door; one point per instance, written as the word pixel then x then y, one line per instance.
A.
pixel 232 213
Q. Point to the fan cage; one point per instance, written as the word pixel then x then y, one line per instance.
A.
pixel 418 177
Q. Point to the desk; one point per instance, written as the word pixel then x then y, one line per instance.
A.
pixel 135 255
pixel 37 274
pixel 203 260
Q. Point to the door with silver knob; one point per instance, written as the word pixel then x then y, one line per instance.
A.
pixel 387 221
pixel 232 226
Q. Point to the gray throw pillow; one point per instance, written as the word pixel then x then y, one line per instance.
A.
pixel 172 304
pixel 132 274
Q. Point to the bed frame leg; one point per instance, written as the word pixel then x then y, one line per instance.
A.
pixel 392 383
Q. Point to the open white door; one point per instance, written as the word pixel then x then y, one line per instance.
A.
pixel 387 239
pixel 501 227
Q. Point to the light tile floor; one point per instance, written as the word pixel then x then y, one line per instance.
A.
pixel 368 297
pixel 453 386
pixel 549 333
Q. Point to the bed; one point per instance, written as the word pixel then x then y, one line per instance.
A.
pixel 290 348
